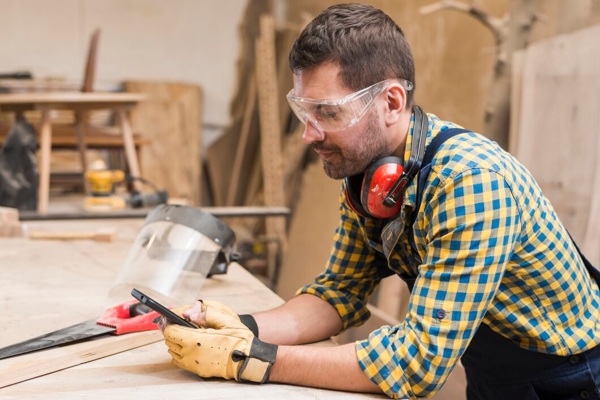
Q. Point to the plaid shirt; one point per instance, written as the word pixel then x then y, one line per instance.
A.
pixel 489 248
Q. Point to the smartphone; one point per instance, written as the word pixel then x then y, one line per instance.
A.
pixel 162 310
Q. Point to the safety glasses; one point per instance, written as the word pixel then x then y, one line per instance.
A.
pixel 338 114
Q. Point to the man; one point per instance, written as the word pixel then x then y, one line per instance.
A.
pixel 496 280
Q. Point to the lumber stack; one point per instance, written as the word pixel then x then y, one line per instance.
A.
pixel 259 159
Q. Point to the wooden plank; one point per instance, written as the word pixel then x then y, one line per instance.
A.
pixel 69 100
pixel 270 135
pixel 242 144
pixel 21 371
pixel 101 235
pixel 219 155
pixel 63 136
pixel 559 128
pixel 44 160
pixel 171 120
pixel 10 226
pixel 516 89
pixel 592 232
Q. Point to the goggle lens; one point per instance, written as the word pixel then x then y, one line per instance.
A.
pixel 339 114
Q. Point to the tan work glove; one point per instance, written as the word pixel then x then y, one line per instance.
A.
pixel 212 314
pixel 230 353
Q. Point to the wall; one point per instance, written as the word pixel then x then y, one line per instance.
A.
pixel 193 41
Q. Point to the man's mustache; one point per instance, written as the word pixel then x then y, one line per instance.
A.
pixel 321 147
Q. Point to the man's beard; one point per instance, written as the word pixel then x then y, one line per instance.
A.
pixel 369 146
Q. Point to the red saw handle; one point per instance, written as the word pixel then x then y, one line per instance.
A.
pixel 127 317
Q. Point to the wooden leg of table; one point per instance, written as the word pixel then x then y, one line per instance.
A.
pixel 45 147
pixel 129 145
pixel 81 121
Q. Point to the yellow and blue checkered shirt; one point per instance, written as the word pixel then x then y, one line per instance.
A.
pixel 490 249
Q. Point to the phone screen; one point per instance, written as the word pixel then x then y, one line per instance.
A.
pixel 162 310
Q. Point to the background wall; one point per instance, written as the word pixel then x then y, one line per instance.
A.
pixel 192 41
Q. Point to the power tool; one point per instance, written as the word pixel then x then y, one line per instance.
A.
pixel 102 195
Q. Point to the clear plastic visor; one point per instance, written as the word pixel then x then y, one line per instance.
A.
pixel 173 254
pixel 338 114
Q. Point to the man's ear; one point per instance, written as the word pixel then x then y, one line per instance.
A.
pixel 395 104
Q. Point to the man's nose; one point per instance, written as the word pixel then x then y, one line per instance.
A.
pixel 312 134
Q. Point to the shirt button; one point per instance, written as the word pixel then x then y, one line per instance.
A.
pixel 440 314
pixel 395 263
pixel 573 360
pixel 584 394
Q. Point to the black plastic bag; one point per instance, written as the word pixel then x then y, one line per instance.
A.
pixel 19 176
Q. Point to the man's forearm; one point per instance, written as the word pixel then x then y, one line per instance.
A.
pixel 323 367
pixel 303 319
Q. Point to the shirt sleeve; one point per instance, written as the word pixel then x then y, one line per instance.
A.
pixel 465 237
pixel 351 274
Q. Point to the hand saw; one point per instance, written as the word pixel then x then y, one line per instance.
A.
pixel 131 316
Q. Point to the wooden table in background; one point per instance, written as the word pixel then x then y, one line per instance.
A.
pixel 46 102
pixel 47 285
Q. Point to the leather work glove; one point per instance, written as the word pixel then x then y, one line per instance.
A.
pixel 212 314
pixel 230 353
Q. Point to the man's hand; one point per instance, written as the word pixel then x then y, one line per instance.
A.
pixel 230 353
pixel 212 314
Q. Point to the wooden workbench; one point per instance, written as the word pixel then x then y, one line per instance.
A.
pixel 47 285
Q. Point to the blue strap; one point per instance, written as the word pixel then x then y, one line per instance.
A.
pixel 424 174
pixel 432 149
pixel 384 271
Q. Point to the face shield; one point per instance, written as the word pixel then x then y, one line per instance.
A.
pixel 177 248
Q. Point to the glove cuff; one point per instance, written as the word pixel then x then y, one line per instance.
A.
pixel 257 365
pixel 250 322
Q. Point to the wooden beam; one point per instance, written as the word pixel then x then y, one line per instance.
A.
pixel 240 150
pixel 270 135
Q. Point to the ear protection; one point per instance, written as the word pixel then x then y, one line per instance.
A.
pixel 377 193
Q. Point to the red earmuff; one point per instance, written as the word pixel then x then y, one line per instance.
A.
pixel 378 192
pixel 377 183
pixel 366 192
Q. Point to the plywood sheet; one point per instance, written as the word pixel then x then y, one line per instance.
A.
pixel 558 127
pixel 171 120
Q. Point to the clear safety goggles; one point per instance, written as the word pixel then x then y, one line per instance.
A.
pixel 338 114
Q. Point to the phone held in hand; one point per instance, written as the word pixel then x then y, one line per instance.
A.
pixel 162 310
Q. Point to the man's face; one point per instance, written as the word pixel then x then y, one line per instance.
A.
pixel 349 151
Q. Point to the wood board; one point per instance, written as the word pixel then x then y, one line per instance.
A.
pixel 171 121
pixel 556 131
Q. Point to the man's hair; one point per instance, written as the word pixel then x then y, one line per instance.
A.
pixel 363 41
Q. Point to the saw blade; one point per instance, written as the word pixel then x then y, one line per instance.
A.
pixel 70 334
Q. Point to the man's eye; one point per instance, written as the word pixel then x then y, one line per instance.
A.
pixel 328 114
